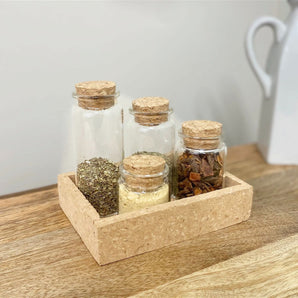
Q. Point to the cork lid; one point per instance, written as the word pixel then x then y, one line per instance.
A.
pixel 96 95
pixel 144 171
pixel 150 110
pixel 201 134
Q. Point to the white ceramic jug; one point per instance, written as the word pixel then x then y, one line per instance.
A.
pixel 278 131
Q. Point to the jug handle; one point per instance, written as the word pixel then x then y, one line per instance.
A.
pixel 279 29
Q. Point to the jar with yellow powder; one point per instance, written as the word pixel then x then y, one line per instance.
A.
pixel 143 182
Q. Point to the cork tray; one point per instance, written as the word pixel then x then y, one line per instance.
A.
pixel 125 235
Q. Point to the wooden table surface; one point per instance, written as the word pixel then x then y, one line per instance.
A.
pixel 42 255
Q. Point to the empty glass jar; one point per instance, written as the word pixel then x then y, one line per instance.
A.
pixel 150 129
pixel 97 125
pixel 199 158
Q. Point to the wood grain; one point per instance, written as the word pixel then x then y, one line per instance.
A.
pixel 247 163
pixel 270 271
pixel 41 254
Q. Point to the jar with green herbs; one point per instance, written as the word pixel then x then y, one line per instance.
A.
pixel 143 182
pixel 199 159
pixel 97 125
pixel 150 129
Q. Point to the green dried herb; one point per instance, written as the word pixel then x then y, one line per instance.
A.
pixel 198 173
pixel 97 179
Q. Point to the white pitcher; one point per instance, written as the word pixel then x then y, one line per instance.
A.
pixel 278 131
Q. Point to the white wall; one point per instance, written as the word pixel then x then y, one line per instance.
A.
pixel 191 52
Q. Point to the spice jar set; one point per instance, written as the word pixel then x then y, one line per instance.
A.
pixel 121 170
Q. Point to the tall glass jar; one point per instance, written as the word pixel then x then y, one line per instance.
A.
pixel 199 159
pixel 98 132
pixel 143 182
pixel 150 129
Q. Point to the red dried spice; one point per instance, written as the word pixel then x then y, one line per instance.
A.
pixel 198 173
pixel 194 176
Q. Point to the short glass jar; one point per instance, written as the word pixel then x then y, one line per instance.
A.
pixel 199 159
pixel 143 182
pixel 150 129
pixel 98 132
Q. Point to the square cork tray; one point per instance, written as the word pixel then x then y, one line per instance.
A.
pixel 125 235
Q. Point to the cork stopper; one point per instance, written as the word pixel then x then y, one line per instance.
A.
pixel 149 111
pixel 144 171
pixel 96 95
pixel 201 134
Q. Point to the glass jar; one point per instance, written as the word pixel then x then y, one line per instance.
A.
pixel 143 182
pixel 98 132
pixel 199 159
pixel 150 129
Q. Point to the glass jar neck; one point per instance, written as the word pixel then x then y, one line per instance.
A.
pixel 151 119
pixel 96 103
pixel 143 183
pixel 201 143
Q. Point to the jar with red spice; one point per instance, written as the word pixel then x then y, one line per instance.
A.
pixel 199 159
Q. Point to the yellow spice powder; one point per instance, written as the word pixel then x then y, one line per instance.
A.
pixel 130 201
